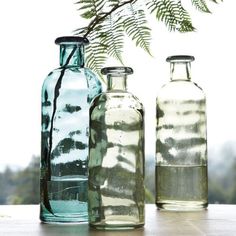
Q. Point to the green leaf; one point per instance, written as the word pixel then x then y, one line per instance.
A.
pixel 91 7
pixel 87 14
pixel 200 5
pixel 184 20
pixel 113 3
pixel 172 13
pixel 81 31
pixel 215 1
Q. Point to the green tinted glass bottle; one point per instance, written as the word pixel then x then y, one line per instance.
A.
pixel 66 95
pixel 181 145
pixel 116 156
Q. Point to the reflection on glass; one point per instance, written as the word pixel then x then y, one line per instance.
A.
pixel 116 156
pixel 66 96
pixel 181 144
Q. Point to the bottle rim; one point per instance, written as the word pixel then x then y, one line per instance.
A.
pixel 117 70
pixel 71 40
pixel 180 58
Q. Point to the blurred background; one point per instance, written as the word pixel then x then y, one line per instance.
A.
pixel 28 54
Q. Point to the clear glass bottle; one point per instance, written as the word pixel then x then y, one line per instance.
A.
pixel 116 156
pixel 66 96
pixel 181 145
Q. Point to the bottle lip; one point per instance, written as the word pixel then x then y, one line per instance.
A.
pixel 180 58
pixel 117 70
pixel 71 40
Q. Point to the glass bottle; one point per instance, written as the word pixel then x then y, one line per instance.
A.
pixel 181 144
pixel 66 96
pixel 116 156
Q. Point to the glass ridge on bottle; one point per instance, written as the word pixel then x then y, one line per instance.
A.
pixel 66 96
pixel 181 141
pixel 116 156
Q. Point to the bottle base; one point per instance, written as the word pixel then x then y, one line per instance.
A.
pixel 50 219
pixel 74 212
pixel 115 226
pixel 181 205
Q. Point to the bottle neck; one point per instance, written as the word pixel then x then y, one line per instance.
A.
pixel 116 82
pixel 180 71
pixel 71 55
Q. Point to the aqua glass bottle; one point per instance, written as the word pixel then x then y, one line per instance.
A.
pixel 66 96
pixel 116 156
pixel 181 145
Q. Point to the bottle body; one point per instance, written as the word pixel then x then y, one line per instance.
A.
pixel 116 161
pixel 66 96
pixel 181 147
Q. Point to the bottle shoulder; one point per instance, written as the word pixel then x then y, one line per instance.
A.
pixel 71 70
pixel 184 90
pixel 83 77
pixel 117 99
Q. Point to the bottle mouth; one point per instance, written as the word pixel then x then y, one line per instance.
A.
pixel 117 70
pixel 71 40
pixel 180 58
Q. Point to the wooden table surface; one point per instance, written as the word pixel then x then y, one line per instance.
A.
pixel 218 220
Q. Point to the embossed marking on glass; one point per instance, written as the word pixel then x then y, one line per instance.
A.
pixel 181 145
pixel 66 96
pixel 116 156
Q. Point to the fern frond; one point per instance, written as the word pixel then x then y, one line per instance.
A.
pixel 201 5
pixel 215 1
pixel 113 3
pixel 135 25
pixel 95 53
pixel 113 37
pixel 172 13
pixel 80 31
pixel 90 8
pixel 109 20
pixel 184 20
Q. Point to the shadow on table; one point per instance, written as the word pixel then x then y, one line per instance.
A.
pixel 84 230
